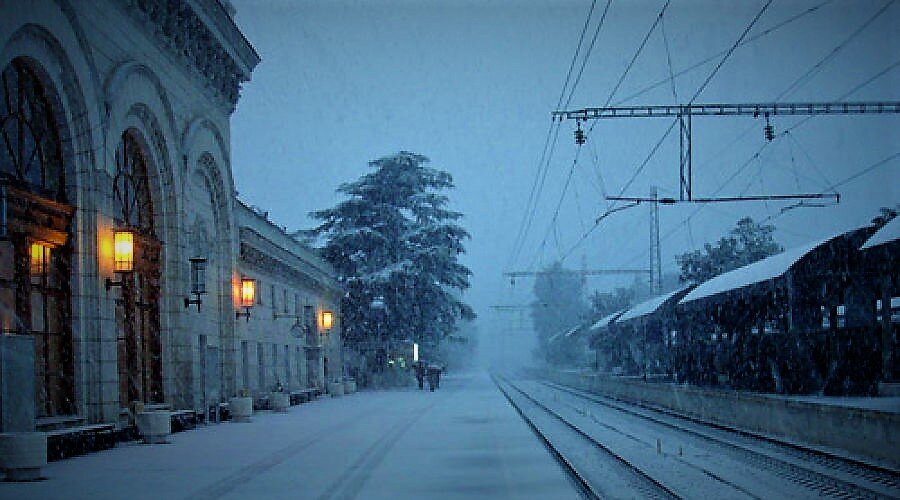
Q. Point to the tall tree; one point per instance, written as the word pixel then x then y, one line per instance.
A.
pixel 395 246
pixel 559 303
pixel 746 243
pixel 606 303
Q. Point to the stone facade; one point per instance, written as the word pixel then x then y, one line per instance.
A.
pixel 283 341
pixel 126 103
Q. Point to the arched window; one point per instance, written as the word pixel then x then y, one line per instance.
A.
pixel 131 188
pixel 35 295
pixel 30 147
pixel 137 313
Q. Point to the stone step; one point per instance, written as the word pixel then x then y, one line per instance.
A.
pixel 157 407
pixel 45 424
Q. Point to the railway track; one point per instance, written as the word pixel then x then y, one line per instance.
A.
pixel 612 476
pixel 829 474
pixel 730 464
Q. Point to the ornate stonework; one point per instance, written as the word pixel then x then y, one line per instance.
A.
pixel 176 27
pixel 265 262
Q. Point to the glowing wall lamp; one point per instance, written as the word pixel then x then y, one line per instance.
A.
pixel 248 297
pixel 123 255
pixel 198 282
pixel 40 257
pixel 327 320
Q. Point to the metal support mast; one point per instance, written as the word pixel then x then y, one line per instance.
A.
pixel 684 112
pixel 655 254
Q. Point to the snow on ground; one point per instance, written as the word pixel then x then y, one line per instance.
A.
pixel 462 440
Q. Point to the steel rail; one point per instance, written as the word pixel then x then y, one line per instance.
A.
pixel 584 486
pixel 652 482
pixel 779 466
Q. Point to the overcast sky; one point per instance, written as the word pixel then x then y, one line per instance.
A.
pixel 471 85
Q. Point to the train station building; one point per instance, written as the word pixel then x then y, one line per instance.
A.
pixel 125 257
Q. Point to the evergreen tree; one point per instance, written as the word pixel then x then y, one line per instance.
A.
pixel 746 243
pixel 395 246
pixel 559 305
pixel 606 303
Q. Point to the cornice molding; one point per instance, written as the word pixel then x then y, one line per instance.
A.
pixel 263 261
pixel 179 30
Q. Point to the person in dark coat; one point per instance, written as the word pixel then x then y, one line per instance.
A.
pixel 434 376
pixel 420 374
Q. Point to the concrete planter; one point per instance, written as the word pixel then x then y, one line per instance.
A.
pixel 279 401
pixel 154 426
pixel 336 389
pixel 349 386
pixel 241 409
pixel 22 454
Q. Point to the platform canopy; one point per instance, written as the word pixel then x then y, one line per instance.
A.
pixel 577 330
pixel 606 321
pixel 762 270
pixel 650 306
pixel 563 333
pixel 888 233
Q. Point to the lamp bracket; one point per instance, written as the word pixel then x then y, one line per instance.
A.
pixel 109 283
pixel 196 300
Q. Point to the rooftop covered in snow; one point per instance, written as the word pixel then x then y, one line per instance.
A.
pixel 606 320
pixel 763 270
pixel 888 233
pixel 564 333
pixel 649 306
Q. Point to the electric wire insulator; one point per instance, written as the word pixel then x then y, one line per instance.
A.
pixel 579 135
pixel 769 131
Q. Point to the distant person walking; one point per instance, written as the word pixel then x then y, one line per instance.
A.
pixel 420 373
pixel 434 377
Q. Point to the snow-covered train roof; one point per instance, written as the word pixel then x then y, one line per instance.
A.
pixel 650 306
pixel 888 233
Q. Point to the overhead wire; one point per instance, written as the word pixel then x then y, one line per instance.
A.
pixel 674 122
pixel 587 54
pixel 730 51
pixel 669 61
pixel 585 58
pixel 637 53
pixel 543 163
pixel 799 123
pixel 612 94
pixel 811 72
pixel 712 57
pixel 864 171
pixel 850 92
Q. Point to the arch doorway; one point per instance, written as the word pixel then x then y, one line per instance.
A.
pixel 137 309
pixel 35 230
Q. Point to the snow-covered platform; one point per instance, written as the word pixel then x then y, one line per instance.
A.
pixel 462 441
pixel 887 404
pixel 862 429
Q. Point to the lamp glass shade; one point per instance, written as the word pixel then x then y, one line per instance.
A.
pixel 248 292
pixel 39 257
pixel 124 251
pixel 327 320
